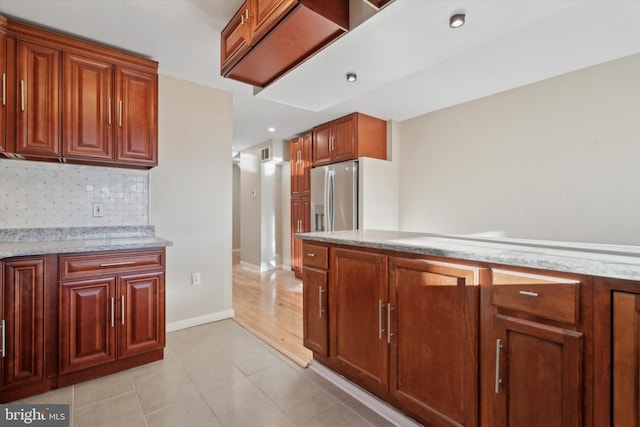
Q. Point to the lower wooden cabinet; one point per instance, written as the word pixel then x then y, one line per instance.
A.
pixel 315 299
pixel 538 380
pixel 23 327
pixel 300 223
pixel 626 359
pixel 70 318
pixel 405 329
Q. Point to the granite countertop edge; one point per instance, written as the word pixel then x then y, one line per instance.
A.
pixel 599 260
pixel 42 241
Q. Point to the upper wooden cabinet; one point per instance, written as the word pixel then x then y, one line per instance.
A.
pixel 379 3
pixel 267 38
pixel 72 100
pixel 301 165
pixel 349 137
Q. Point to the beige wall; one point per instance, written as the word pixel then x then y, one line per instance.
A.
pixel 191 199
pixel 559 159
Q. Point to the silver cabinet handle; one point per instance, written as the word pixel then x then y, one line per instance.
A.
pixel 4 89
pixel 320 292
pixel 120 113
pixel 389 333
pixel 113 311
pixel 498 380
pixel 22 95
pixel 4 338
pixel 122 304
pixel 114 264
pixel 109 110
pixel 311 254
pixel 380 328
pixel 529 294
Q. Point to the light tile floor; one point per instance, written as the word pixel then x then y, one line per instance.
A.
pixel 217 374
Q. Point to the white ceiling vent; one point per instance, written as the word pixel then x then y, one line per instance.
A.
pixel 265 154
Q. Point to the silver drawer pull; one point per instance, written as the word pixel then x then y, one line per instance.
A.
pixel 498 379
pixel 311 254
pixel 113 264
pixel 529 294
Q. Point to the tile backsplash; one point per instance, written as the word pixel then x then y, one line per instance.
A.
pixel 39 194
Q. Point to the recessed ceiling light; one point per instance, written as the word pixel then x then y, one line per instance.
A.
pixel 352 77
pixel 271 129
pixel 457 20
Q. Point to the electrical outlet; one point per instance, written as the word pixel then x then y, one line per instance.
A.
pixel 98 210
pixel 195 278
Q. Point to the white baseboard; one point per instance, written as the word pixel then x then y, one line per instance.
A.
pixel 370 401
pixel 200 320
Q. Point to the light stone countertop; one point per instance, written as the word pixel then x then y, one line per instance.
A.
pixel 602 260
pixel 39 241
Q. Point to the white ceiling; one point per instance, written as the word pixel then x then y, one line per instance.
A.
pixel 409 62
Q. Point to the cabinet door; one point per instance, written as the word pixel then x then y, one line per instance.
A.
pixel 344 139
pixel 38 106
pixel 87 111
pixel 315 313
pixel 3 91
pixel 357 310
pixel 265 14
pixel 538 381
pixel 300 214
pixel 235 39
pixel 87 323
pixel 306 156
pixel 295 146
pixel 141 323
pixel 626 357
pixel 23 322
pixel 434 310
pixel 137 117
pixel 322 144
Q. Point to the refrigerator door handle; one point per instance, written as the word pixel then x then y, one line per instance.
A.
pixel 331 200
pixel 325 217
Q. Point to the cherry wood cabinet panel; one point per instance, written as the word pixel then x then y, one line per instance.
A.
pixel 87 112
pixel 300 223
pixel 301 165
pixel 315 310
pixel 37 103
pixel 349 137
pixel 87 323
pixel 357 312
pixel 100 264
pixel 235 39
pixel 286 33
pixel 548 297
pixel 315 256
pixel 137 117
pixel 539 376
pixel 433 334
pixel 23 323
pixel 265 14
pixel 141 324
pixel 322 144
pixel 3 90
pixel 626 359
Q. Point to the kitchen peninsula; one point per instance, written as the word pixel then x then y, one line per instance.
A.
pixel 477 330
pixel 78 303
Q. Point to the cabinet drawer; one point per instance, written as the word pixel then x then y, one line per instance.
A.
pixel 99 264
pixel 544 296
pixel 315 256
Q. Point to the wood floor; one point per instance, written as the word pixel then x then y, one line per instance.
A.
pixel 270 306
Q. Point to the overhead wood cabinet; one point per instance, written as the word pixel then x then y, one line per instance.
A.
pixel 77 101
pixel 267 38
pixel 349 137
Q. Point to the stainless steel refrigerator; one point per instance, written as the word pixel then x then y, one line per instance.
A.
pixel 334 197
